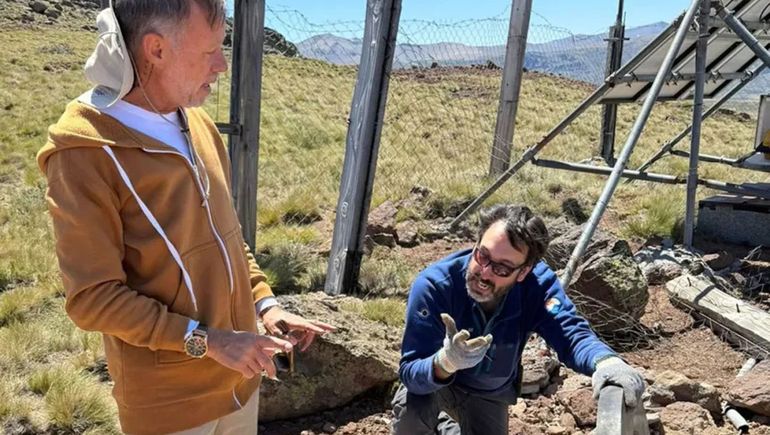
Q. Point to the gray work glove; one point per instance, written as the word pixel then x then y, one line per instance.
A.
pixel 458 352
pixel 614 371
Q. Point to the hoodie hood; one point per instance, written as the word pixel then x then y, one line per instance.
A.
pixel 84 126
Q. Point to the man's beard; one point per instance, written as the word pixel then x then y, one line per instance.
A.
pixel 495 293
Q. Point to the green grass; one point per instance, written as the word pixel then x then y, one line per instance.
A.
pixel 77 403
pixel 385 273
pixel 389 311
pixel 659 214
pixel 437 134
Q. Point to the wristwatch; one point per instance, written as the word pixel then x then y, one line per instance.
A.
pixel 196 343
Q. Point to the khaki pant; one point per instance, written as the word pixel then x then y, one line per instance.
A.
pixel 241 422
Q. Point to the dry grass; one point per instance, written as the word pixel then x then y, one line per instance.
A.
pixel 437 133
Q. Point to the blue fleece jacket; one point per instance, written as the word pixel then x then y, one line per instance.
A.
pixel 537 304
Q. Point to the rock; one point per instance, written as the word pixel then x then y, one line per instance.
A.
pixel 518 427
pixel 686 417
pixel 653 418
pixel 568 421
pixel 661 264
pixel 581 404
pixel 574 211
pixel 558 226
pixel 687 390
pixel 338 367
pixel 575 381
pixel 329 428
pixel 752 390
pixel 561 246
pixel 538 365
pixel 53 13
pixel 407 234
pixel 719 260
pixel 661 396
pixel 384 239
pixel 38 6
pixel 382 219
pixel 276 43
pixel 610 278
pixel 519 408
pixel 555 430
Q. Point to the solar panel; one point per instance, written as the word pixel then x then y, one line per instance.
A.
pixel 728 60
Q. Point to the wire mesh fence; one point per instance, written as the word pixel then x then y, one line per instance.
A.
pixel 440 116
pixel 436 140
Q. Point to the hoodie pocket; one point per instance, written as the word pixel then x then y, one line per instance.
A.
pixel 209 277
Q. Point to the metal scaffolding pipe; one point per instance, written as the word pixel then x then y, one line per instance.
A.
pixel 711 159
pixel 751 42
pixel 697 117
pixel 636 131
pixel 567 120
pixel 712 110
pixel 599 170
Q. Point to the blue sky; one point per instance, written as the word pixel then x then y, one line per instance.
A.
pixel 581 16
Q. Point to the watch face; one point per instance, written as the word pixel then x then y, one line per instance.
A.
pixel 195 346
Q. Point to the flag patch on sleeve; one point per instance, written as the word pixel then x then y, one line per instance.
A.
pixel 553 305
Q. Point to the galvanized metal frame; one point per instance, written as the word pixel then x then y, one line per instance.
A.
pixel 668 71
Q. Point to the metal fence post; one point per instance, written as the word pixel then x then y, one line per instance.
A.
pixel 697 118
pixel 511 86
pixel 610 110
pixel 366 116
pixel 244 148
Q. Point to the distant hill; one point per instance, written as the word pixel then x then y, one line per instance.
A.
pixel 579 56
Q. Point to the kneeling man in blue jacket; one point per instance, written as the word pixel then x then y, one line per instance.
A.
pixel 495 294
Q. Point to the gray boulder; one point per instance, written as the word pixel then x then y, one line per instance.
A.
pixel 360 355
pixel 612 286
pixel 564 238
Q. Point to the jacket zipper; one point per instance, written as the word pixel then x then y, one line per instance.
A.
pixel 205 205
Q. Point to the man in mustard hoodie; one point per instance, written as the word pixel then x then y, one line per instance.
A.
pixel 148 241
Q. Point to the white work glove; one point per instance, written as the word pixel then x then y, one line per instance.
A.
pixel 458 352
pixel 615 371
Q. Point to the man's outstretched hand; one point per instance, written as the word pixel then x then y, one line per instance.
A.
pixel 459 352
pixel 296 329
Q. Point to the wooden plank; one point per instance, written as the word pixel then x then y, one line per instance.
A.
pixel 244 149
pixel 361 147
pixel 510 87
pixel 743 323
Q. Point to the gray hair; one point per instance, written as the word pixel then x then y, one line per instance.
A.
pixel 137 18
pixel 521 227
